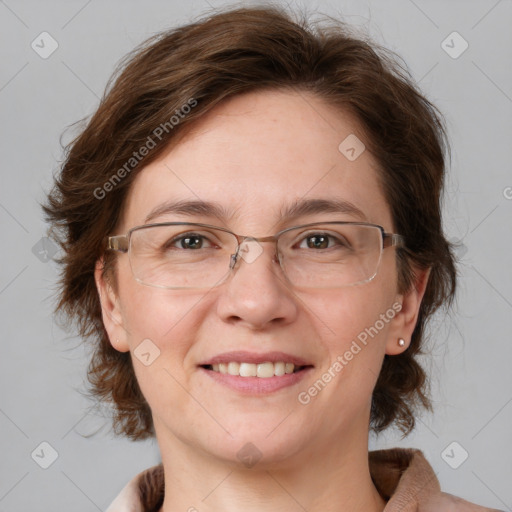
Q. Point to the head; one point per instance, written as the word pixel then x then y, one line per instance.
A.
pixel 247 109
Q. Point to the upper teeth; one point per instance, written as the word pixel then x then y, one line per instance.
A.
pixel 263 370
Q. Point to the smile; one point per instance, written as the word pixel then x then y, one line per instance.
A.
pixel 262 370
pixel 254 373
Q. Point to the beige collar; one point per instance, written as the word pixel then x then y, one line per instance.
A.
pixel 403 477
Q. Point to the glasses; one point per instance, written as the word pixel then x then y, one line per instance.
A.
pixel 187 255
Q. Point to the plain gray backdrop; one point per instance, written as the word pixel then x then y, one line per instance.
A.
pixel 468 438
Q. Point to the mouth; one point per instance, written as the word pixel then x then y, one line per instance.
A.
pixel 252 373
pixel 264 370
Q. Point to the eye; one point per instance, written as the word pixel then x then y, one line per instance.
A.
pixel 322 241
pixel 191 241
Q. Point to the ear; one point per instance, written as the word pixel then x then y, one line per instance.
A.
pixel 404 322
pixel 110 310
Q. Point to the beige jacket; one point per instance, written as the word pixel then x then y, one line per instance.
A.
pixel 403 477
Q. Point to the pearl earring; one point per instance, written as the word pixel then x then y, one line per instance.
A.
pixel 401 342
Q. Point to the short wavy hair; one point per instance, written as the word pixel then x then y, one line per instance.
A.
pixel 225 54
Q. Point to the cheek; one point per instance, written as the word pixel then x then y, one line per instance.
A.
pixel 162 327
pixel 353 327
pixel 163 324
pixel 344 314
pixel 169 318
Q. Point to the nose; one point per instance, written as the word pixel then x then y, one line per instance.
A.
pixel 256 294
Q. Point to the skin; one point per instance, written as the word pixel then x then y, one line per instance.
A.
pixel 255 154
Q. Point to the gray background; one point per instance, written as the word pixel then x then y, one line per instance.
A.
pixel 42 368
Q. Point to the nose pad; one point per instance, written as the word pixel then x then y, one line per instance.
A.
pixel 250 250
pixel 233 259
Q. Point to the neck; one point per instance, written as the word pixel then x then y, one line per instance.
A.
pixel 324 478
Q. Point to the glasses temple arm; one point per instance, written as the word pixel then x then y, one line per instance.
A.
pixel 390 239
pixel 117 243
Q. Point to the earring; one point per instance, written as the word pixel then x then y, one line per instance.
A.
pixel 401 342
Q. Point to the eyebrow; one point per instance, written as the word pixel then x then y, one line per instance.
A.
pixel 190 208
pixel 299 208
pixel 304 207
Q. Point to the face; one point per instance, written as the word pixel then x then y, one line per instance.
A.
pixel 256 155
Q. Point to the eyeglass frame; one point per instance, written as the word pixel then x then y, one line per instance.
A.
pixel 121 243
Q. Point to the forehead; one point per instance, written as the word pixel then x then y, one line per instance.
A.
pixel 258 154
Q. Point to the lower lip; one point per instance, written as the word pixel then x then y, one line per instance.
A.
pixel 257 385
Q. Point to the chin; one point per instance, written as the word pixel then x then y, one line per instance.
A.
pixel 264 446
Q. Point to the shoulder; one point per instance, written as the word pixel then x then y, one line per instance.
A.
pixel 406 479
pixel 128 500
pixel 143 493
pixel 449 503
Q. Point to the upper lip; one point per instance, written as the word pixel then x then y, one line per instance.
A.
pixel 242 356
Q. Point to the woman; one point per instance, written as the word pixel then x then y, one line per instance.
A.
pixel 252 234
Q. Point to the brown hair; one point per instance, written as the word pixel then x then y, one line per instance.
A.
pixel 199 65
